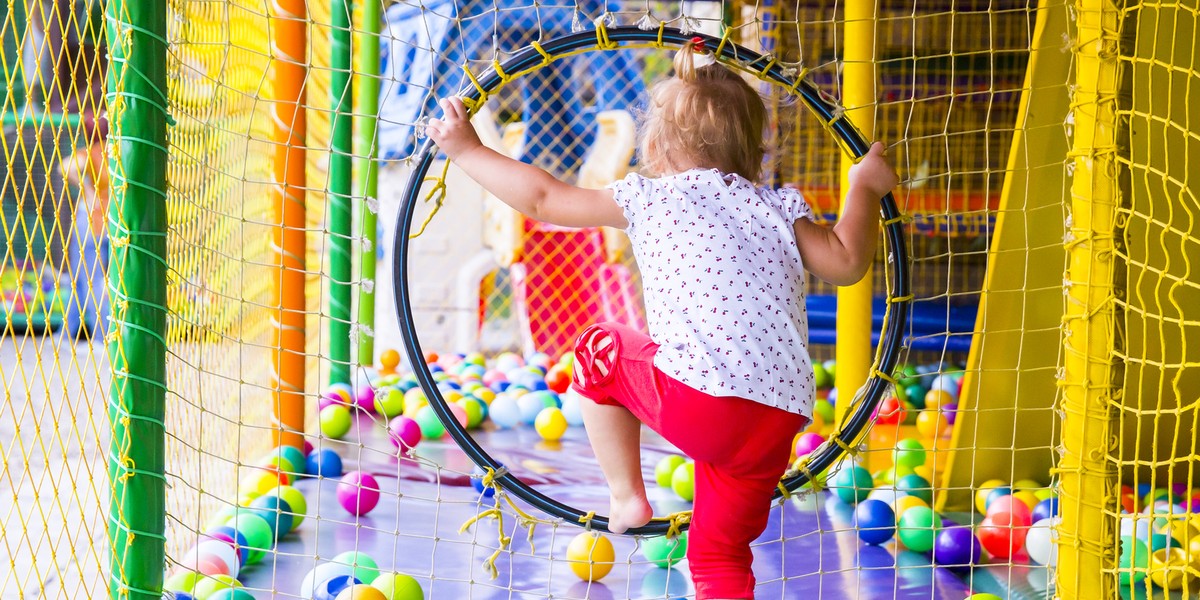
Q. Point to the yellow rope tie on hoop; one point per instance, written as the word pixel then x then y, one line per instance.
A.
pixel 586 520
pixel 898 219
pixel 885 376
pixel 662 26
pixel 546 57
pixel 473 105
pixel 439 189
pixel 677 521
pixel 724 40
pixel 851 451
pixel 898 299
pixel 602 41
pixel 504 77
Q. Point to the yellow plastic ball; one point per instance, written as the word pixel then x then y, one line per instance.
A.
pixel 590 556
pixel 550 424
pixel 932 424
pixel 414 400
pixel 1044 494
pixel 1028 498
pixel 207 586
pixel 388 361
pixel 260 482
pixel 936 399
pixel 1182 531
pixel 904 503
pixel 485 394
pixel 925 471
pixel 1026 485
pixel 981 493
pixel 361 591
pixel 1169 567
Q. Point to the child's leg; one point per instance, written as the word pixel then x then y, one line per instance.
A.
pixel 728 514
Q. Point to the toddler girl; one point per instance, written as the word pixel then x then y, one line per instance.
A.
pixel 725 373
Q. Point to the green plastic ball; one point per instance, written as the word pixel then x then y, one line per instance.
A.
pixel 398 586
pixel 852 485
pixel 257 532
pixel 295 499
pixel 389 402
pixel 916 396
pixel 1135 556
pixel 207 586
pixel 824 409
pixel 666 468
pixel 335 421
pixel 831 368
pixel 183 581
pixel 683 481
pixel 665 552
pixel 915 485
pixel 295 456
pixel 232 594
pixel 1160 540
pixel 908 375
pixel 475 409
pixel 365 567
pixel 918 528
pixel 431 426
pixel 821 377
pixel 909 452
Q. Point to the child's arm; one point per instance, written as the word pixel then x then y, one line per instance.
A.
pixel 842 254
pixel 526 188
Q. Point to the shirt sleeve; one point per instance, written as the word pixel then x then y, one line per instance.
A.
pixel 793 205
pixel 630 194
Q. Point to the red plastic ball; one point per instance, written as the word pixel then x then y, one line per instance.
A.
pixel 1018 511
pixel 891 411
pixel 558 379
pixel 1000 536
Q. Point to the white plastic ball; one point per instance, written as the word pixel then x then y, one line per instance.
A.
pixel 322 572
pixel 572 408
pixel 946 382
pixel 504 411
pixel 1041 542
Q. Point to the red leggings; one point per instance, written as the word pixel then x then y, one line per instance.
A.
pixel 741 448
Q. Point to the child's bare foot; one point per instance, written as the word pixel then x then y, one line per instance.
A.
pixel 628 513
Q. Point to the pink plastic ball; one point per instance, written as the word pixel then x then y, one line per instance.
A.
pixel 460 413
pixel 308 448
pixel 492 377
pixel 808 442
pixel 211 566
pixel 405 433
pixel 366 399
pixel 358 493
pixel 334 396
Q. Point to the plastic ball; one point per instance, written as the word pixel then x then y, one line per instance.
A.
pixel 852 484
pixel 504 411
pixel 1019 513
pixel 996 494
pixel 360 592
pixel 1000 536
pixel 234 538
pixel 1041 542
pixel 397 586
pixel 321 574
pixel 807 443
pixel 1135 557
pixel 388 402
pixel 230 594
pixel 947 383
pixel 909 453
pixel 308 448
pixel 981 493
pixel 388 361
pixel 935 399
pixel 475 410
pixel 665 469
pixel 665 552
pixel 324 463
pixel 874 521
pixel 821 377
pixel 1044 509
pixel 590 556
pixel 530 406
pixel 957 546
pixel 932 424
pixel 984 597
pixel 1159 541
pixel 209 585
pixel 218 550
pixel 460 413
pixel 477 483
pixel 329 589
pixel 295 500
pixel 558 379
pixel 414 400
pixel 830 367
pixel 1028 498
pixel 550 424
pixel 683 480
pixel 276 512
pixel 887 496
pixel 335 421
pixel 365 397
pixel 358 493
pixel 918 528
pixel 262 480
pixel 1169 567
pixel 824 409
pixel 365 567
pixel 183 581
pixel 915 485
pixel 431 426
pixel 294 457
pixel 891 411
pixel 404 432
pixel 258 533
pixel 573 409
pixel 904 503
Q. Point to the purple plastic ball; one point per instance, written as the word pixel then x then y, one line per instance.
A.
pixel 366 399
pixel 1045 509
pixel 405 433
pixel 957 546
pixel 951 412
pixel 358 493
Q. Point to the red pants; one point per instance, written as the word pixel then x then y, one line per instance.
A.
pixel 741 448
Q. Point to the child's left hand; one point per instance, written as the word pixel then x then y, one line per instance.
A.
pixel 453 133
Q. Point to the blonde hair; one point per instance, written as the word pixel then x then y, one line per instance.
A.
pixel 706 117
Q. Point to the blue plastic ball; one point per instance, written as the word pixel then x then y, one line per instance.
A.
pixel 573 410
pixel 500 386
pixel 477 483
pixel 184 596
pixel 874 521
pixel 324 463
pixel 330 588
pixel 1045 509
pixel 996 494
pixel 529 405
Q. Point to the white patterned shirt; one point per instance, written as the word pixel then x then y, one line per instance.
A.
pixel 723 283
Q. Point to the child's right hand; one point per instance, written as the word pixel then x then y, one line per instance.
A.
pixel 873 174
pixel 453 133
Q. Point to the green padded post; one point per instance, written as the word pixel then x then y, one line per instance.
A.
pixel 341 176
pixel 365 149
pixel 137 284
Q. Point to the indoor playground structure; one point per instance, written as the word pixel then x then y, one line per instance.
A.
pixel 261 340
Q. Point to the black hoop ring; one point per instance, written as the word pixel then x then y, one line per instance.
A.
pixel 890 342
